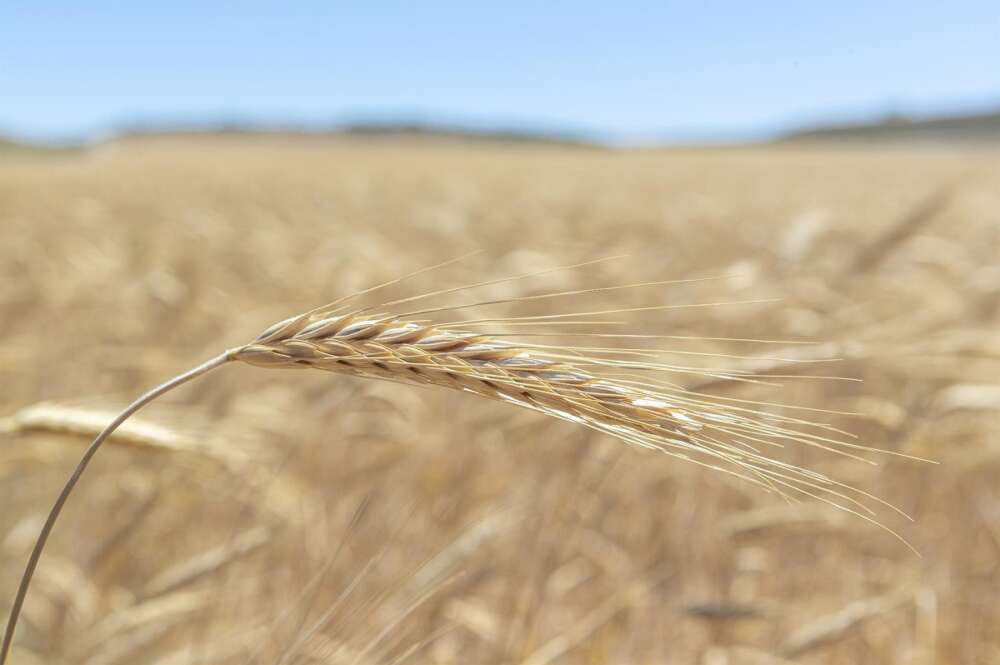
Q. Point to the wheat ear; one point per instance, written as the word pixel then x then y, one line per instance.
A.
pixel 598 388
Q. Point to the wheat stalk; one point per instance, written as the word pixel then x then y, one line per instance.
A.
pixel 614 391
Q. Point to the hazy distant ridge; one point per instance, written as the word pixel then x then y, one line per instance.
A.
pixel 374 130
pixel 958 127
pixel 966 127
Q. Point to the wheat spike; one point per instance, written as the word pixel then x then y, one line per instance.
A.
pixel 587 386
pixel 389 348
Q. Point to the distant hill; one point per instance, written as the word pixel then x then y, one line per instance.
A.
pixel 7 144
pixel 20 148
pixel 129 133
pixel 363 130
pixel 977 127
pixel 968 127
pixel 499 134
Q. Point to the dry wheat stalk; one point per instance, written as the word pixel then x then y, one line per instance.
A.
pixel 614 391
pixel 205 563
pixel 834 626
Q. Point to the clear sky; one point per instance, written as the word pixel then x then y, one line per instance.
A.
pixel 626 70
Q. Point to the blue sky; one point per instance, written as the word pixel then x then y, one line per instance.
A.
pixel 625 70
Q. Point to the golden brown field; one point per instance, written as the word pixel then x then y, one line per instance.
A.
pixel 299 517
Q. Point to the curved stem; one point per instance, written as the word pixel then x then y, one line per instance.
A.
pixel 43 536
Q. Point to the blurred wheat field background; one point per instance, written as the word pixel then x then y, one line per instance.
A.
pixel 292 517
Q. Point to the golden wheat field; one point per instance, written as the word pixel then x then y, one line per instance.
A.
pixel 259 516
